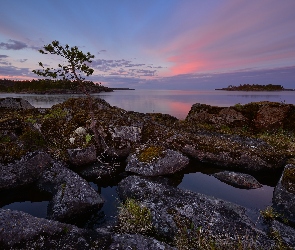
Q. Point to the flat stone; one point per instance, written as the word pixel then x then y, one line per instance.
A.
pixel 15 103
pixel 239 180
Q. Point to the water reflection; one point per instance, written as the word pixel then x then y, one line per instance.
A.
pixel 174 102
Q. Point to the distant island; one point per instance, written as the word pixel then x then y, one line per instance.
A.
pixel 45 86
pixel 256 87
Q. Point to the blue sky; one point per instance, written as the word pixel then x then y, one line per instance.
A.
pixel 157 44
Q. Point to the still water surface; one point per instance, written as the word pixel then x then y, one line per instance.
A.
pixel 173 102
pixel 197 177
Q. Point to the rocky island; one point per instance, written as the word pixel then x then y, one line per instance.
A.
pixel 256 87
pixel 55 151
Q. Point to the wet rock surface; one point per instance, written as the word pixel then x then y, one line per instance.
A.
pixel 239 180
pixel 284 197
pixel 72 195
pixel 25 171
pixel 285 233
pixel 214 216
pixel 168 162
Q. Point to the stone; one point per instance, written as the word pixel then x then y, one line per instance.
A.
pixel 15 103
pixel 284 194
pixel 239 180
pixel 169 205
pixel 25 171
pixel 168 162
pixel 285 233
pixel 137 241
pixel 19 230
pixel 82 156
pixel 72 195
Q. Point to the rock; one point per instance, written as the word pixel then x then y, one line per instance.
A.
pixel 271 116
pixel 233 152
pixel 99 170
pixel 15 103
pixel 25 171
pixel 127 133
pixel 239 180
pixel 285 234
pixel 81 157
pixel 284 194
pixel 137 241
pixel 167 162
pixel 171 207
pixel 72 195
pixel 19 230
pixel 217 116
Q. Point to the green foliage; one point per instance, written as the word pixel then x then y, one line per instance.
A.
pixel 134 218
pixel 255 87
pixel 57 113
pixel 269 213
pixel 88 138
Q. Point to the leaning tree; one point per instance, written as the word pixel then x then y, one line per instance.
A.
pixel 75 68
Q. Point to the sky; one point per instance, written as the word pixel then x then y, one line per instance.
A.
pixel 156 44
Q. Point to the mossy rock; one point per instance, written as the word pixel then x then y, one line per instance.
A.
pixel 151 153
pixel 288 179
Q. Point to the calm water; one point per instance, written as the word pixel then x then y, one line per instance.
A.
pixel 173 102
pixel 197 177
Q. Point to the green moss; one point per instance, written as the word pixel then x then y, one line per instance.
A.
pixel 269 213
pixel 134 218
pixel 32 139
pixel 150 153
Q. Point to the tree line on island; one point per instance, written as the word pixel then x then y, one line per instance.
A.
pixel 256 87
pixel 48 86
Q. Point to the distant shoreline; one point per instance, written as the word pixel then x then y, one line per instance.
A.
pixel 256 87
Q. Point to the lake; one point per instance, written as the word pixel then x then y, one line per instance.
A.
pixel 197 177
pixel 173 102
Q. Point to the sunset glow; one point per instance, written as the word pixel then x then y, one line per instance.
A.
pixel 156 44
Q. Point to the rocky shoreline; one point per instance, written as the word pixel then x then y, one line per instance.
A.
pixel 52 149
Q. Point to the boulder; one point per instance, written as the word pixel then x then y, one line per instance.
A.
pixel 19 230
pixel 233 152
pixel 239 180
pixel 165 162
pixel 72 195
pixel 81 157
pixel 284 233
pixel 173 210
pixel 284 194
pixel 137 241
pixel 15 103
pixel 25 171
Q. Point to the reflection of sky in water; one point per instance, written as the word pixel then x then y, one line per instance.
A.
pixel 173 102
pixel 209 185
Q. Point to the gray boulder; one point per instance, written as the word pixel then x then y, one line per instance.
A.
pixel 137 241
pixel 25 171
pixel 230 152
pixel 169 206
pixel 81 157
pixel 239 180
pixel 285 234
pixel 168 162
pixel 72 195
pixel 15 103
pixel 284 194
pixel 19 230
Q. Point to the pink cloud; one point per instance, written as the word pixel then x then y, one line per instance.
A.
pixel 239 34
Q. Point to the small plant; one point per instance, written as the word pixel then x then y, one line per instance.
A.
pixel 56 114
pixel 269 213
pixel 88 138
pixel 134 218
